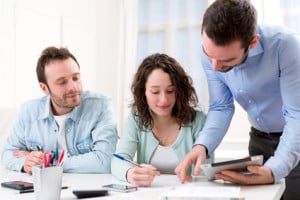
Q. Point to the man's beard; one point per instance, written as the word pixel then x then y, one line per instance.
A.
pixel 65 102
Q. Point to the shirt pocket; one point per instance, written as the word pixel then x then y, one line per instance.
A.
pixel 84 146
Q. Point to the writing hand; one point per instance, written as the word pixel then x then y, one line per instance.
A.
pixel 259 175
pixel 142 176
pixel 20 153
pixel 197 156
pixel 33 158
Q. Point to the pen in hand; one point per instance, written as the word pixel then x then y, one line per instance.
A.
pixel 122 158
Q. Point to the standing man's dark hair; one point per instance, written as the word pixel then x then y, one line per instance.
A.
pixel 229 20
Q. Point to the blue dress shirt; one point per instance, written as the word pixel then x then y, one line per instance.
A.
pixel 91 134
pixel 267 86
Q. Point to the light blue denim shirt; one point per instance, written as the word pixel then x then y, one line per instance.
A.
pixel 267 86
pixel 91 134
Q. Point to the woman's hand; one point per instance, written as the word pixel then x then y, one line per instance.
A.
pixel 142 176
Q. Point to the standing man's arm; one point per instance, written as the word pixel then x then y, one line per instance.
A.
pixel 287 154
pixel 220 113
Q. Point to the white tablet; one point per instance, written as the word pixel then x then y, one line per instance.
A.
pixel 236 165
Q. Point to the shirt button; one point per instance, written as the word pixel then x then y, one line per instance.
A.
pixel 249 101
pixel 257 119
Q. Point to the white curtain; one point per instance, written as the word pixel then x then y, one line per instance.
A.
pixel 174 27
pixel 279 12
pixel 127 52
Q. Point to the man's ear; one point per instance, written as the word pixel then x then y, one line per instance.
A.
pixel 44 88
pixel 254 41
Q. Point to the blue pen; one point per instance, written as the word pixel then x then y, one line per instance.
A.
pixel 52 158
pixel 122 158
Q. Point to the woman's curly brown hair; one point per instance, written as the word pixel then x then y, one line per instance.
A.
pixel 186 97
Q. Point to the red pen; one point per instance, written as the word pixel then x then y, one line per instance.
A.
pixel 44 160
pixel 60 157
pixel 48 158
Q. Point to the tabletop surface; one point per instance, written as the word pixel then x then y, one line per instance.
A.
pixel 163 185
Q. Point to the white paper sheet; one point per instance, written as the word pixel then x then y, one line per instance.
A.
pixel 202 192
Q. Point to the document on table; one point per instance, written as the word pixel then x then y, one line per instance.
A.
pixel 203 193
pixel 165 180
pixel 173 189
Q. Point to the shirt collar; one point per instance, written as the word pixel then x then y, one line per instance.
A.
pixel 258 49
pixel 74 114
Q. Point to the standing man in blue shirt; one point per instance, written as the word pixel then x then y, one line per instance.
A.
pixel 258 67
pixel 79 122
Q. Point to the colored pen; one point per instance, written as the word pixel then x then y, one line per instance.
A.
pixel 122 158
pixel 56 153
pixel 44 160
pixel 60 158
pixel 32 190
pixel 52 160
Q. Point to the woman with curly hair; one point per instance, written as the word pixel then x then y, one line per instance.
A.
pixel 163 124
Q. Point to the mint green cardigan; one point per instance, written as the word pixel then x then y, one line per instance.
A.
pixel 143 143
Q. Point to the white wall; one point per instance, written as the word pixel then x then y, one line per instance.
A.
pixel 95 31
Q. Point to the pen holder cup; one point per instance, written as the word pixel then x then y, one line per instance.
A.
pixel 47 182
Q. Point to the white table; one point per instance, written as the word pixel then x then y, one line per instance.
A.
pixel 160 185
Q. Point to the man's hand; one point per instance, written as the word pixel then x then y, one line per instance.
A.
pixel 259 175
pixel 142 176
pixel 32 158
pixel 196 156
pixel 20 153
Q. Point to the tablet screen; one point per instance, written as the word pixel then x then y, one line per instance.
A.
pixel 231 162
pixel 237 165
